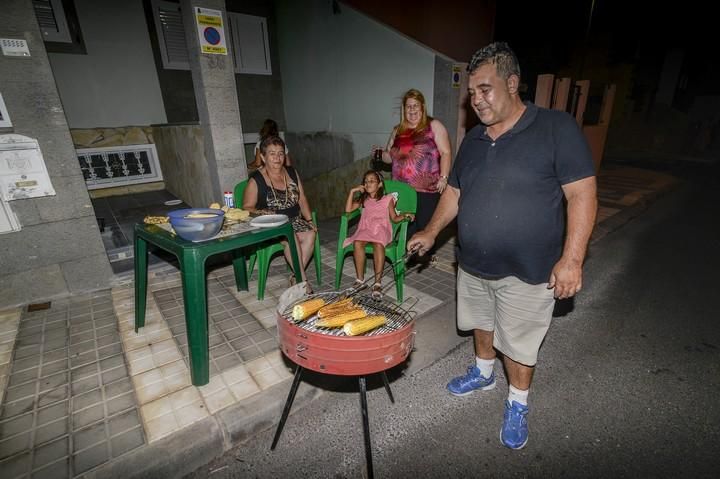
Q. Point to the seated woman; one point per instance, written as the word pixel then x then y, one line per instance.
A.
pixel 277 189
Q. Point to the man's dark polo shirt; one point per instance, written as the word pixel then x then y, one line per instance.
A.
pixel 510 219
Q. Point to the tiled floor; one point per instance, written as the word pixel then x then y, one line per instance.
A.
pixel 69 404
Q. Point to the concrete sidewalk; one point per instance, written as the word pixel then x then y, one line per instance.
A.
pixel 84 395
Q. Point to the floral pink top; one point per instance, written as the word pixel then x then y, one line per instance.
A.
pixel 416 160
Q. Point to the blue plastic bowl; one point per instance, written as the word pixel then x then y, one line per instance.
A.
pixel 196 229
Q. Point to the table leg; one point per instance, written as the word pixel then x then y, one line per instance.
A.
pixel 241 277
pixel 192 269
pixel 140 281
pixel 294 253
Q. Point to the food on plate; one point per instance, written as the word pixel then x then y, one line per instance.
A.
pixel 360 326
pixel 215 206
pixel 156 220
pixel 339 320
pixel 237 214
pixel 307 308
pixel 200 215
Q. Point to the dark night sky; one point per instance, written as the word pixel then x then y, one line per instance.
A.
pixel 546 34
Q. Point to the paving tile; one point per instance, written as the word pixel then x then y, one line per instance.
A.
pixel 16 408
pixel 15 466
pixel 15 444
pixel 127 441
pixel 89 458
pixel 50 452
pixel 88 416
pixel 118 387
pixel 60 393
pixel 54 367
pixel 19 392
pixel 89 436
pixel 51 382
pixel 21 364
pixel 123 422
pixel 84 385
pixel 57 470
pixel 52 413
pixel 87 399
pixel 51 431
pixel 16 425
pixel 110 350
pixel 120 403
pixel 24 376
pixel 114 374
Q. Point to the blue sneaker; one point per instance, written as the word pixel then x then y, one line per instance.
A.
pixel 514 431
pixel 472 381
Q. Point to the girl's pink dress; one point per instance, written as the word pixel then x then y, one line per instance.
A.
pixel 374 226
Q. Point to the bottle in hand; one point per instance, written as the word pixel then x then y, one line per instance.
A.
pixel 377 162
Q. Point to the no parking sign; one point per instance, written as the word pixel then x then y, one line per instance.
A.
pixel 211 31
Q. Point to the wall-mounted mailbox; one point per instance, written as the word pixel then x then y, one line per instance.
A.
pixel 22 169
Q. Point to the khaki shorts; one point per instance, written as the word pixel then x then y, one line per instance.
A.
pixel 519 313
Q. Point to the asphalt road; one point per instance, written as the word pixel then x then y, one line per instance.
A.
pixel 627 384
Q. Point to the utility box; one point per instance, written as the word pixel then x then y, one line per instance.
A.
pixel 22 169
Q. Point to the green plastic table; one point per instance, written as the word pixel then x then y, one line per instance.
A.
pixel 192 257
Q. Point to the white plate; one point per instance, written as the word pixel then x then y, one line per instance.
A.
pixel 269 221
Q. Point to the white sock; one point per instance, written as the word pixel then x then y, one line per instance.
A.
pixel 518 395
pixel 485 366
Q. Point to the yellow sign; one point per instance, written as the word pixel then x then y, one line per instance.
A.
pixel 456 76
pixel 211 32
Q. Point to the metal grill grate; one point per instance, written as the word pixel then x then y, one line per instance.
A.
pixel 396 316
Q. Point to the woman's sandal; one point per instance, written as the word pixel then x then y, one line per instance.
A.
pixel 377 292
pixel 357 285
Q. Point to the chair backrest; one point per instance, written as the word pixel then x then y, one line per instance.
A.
pixel 407 197
pixel 239 192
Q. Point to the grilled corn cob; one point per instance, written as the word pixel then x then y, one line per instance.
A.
pixel 336 308
pixel 338 320
pixel 360 326
pixel 307 308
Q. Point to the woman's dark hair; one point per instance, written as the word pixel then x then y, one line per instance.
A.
pixel 269 128
pixel 381 187
pixel 271 140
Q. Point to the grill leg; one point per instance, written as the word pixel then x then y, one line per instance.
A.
pixel 366 427
pixel 288 405
pixel 387 386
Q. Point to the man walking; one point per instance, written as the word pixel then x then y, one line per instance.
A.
pixel 506 189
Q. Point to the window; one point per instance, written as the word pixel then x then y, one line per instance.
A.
pixel 247 34
pixel 250 47
pixel 59 26
pixel 171 35
pixel 51 17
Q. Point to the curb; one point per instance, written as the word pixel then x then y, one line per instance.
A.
pixel 198 444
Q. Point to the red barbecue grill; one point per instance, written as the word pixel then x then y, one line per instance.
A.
pixel 330 351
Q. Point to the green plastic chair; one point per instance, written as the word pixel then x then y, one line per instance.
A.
pixel 407 203
pixel 264 255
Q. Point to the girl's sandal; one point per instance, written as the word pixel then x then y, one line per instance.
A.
pixel 377 292
pixel 357 285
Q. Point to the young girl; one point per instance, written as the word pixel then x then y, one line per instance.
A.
pixel 374 227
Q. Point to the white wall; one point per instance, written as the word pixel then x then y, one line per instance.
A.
pixel 116 83
pixel 346 73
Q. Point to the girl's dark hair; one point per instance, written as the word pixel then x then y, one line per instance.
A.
pixel 269 128
pixel 381 187
pixel 271 140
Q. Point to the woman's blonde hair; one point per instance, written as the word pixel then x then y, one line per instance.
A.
pixel 424 118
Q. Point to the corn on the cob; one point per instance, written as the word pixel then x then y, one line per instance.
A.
pixel 336 308
pixel 307 308
pixel 338 320
pixel 360 326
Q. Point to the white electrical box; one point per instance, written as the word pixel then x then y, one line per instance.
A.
pixel 22 169
pixel 14 47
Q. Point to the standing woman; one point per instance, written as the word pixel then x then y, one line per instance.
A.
pixel 419 150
